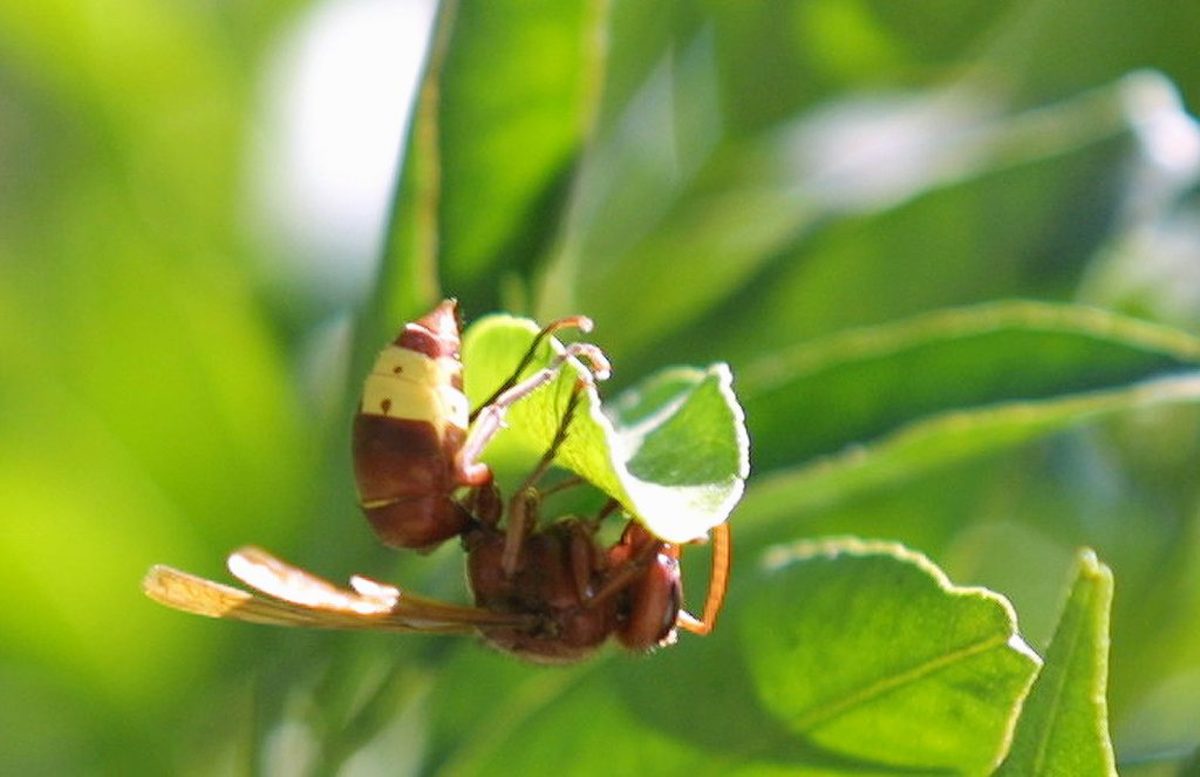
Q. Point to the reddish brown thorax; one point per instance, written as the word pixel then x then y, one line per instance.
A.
pixel 579 593
pixel 407 435
pixel 560 567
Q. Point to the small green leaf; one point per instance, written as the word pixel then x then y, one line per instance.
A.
pixel 1063 728
pixel 868 651
pixel 675 455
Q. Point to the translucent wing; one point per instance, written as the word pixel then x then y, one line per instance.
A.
pixel 204 597
pixel 294 597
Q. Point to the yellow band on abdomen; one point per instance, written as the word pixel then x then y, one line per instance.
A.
pixel 409 385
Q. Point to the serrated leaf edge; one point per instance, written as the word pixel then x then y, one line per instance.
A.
pixel 780 556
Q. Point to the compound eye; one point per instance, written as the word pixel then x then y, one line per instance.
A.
pixel 655 601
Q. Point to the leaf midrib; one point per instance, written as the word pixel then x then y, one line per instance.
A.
pixel 886 685
pixel 1059 685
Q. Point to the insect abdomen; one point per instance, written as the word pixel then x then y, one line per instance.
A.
pixel 408 433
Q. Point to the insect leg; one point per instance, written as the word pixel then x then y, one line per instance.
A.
pixel 562 485
pixel 583 558
pixel 582 323
pixel 593 523
pixel 560 436
pixel 626 573
pixel 484 504
pixel 490 418
pixel 522 518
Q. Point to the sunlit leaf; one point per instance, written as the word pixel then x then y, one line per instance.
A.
pixel 674 452
pixel 485 167
pixel 867 650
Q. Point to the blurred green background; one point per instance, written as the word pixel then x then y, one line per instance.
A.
pixel 193 204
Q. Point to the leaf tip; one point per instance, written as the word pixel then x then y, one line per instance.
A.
pixel 1089 567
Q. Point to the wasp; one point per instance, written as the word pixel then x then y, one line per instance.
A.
pixel 550 593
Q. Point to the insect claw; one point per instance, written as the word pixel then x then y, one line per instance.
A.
pixel 599 368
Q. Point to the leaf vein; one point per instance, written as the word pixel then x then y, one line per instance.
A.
pixel 888 684
pixel 1059 688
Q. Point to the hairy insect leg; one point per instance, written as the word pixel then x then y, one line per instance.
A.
pixel 718 583
pixel 584 558
pixel 560 436
pixel 489 419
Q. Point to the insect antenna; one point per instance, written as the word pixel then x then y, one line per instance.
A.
pixel 718 583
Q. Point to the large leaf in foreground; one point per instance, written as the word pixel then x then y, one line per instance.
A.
pixel 886 660
pixel 1063 727
pixel 675 455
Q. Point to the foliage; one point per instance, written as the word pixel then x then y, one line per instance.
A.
pixel 947 251
pixel 1063 727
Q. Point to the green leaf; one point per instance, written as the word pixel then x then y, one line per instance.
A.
pixel 929 443
pixel 867 650
pixel 485 167
pixel 506 152
pixel 492 715
pixel 675 454
pixel 791 233
pixel 861 384
pixel 916 394
pixel 1063 728
pixel 548 722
